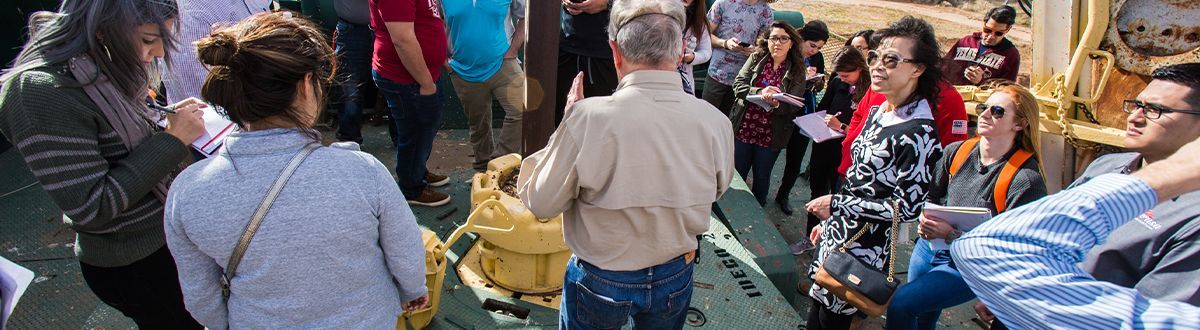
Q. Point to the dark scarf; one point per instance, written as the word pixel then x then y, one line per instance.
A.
pixel 131 120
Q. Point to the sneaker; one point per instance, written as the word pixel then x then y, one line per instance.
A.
pixel 801 246
pixel 436 180
pixel 430 198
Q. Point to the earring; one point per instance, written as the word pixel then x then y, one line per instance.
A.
pixel 106 52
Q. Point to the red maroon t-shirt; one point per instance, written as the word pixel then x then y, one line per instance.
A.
pixel 426 16
pixel 950 118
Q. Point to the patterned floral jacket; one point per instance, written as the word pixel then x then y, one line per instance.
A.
pixel 892 160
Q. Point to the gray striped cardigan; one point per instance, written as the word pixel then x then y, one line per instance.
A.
pixel 103 189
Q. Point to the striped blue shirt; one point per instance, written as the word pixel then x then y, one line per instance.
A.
pixel 197 19
pixel 1023 264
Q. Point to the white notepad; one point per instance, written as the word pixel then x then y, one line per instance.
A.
pixel 216 127
pixel 962 218
pixel 813 126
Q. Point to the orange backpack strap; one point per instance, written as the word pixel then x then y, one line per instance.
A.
pixel 960 156
pixel 1000 192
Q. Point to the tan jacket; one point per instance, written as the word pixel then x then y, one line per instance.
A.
pixel 634 174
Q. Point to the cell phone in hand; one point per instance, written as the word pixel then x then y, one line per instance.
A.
pixel 744 44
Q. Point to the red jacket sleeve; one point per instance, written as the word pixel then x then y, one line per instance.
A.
pixel 870 99
pixel 951 116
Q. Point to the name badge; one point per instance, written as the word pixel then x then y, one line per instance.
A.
pixel 959 127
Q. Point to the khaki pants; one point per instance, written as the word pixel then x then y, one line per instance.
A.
pixel 508 87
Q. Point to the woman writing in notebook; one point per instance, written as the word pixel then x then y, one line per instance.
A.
pixel 74 105
pixel 845 89
pixel 998 170
pixel 337 246
pixel 776 66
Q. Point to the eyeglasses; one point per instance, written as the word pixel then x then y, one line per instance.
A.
pixel 997 111
pixel 1151 111
pixel 890 60
pixel 997 33
pixel 779 39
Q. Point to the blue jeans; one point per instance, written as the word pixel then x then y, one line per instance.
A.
pixel 934 283
pixel 416 119
pixel 354 45
pixel 747 157
pixel 656 297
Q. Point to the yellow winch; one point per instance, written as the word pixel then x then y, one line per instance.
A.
pixel 516 250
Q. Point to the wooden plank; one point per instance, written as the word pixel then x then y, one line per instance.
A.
pixel 541 71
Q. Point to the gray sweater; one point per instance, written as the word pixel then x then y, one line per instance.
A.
pixel 1159 252
pixel 339 248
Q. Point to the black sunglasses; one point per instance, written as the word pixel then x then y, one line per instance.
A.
pixel 1151 111
pixel 994 32
pixel 997 111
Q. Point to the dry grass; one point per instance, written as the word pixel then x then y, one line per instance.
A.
pixel 845 20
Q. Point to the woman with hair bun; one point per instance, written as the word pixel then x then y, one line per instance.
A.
pixel 338 246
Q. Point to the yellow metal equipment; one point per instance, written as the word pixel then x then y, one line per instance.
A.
pixel 516 251
pixel 435 273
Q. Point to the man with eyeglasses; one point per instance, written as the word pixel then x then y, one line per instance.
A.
pixel 1158 252
pixel 986 54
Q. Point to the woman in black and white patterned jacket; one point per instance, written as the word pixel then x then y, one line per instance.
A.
pixel 892 161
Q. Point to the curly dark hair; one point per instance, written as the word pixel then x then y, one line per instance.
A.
pixel 794 55
pixel 925 52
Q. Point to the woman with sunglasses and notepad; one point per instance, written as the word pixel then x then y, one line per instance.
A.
pixel 998 171
pixel 890 168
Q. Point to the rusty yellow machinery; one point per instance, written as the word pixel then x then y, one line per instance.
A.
pixel 516 251
pixel 1089 56
pixel 435 274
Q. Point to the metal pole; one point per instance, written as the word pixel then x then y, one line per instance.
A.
pixel 541 72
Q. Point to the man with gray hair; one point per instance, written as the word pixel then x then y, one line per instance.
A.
pixel 634 175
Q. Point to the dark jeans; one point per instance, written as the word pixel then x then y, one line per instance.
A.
pixel 416 119
pixel 821 318
pixel 796 148
pixel 354 45
pixel 747 157
pixel 822 172
pixel 599 78
pixel 719 95
pixel 655 297
pixel 933 284
pixel 146 291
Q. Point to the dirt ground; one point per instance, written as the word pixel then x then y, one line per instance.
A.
pixel 845 17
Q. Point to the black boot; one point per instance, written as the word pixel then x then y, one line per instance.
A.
pixel 784 205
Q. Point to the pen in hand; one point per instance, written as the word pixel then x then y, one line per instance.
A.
pixel 160 108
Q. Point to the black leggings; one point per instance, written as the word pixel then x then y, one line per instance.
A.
pixel 599 78
pixel 796 147
pixel 146 291
pixel 821 318
pixel 822 172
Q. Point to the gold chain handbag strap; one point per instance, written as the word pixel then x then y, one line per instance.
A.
pixel 891 242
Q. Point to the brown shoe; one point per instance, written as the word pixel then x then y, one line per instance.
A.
pixel 436 180
pixel 429 197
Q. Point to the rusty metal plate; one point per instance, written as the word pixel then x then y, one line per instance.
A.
pixel 1147 34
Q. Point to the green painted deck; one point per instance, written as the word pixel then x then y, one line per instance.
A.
pixel 743 238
